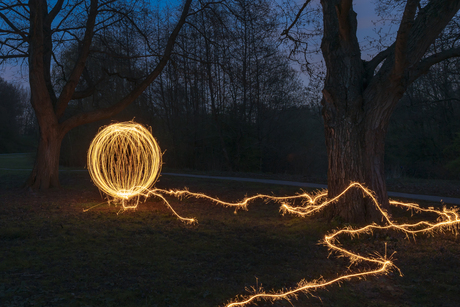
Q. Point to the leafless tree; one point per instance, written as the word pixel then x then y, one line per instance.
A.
pixel 227 93
pixel 359 96
pixel 35 31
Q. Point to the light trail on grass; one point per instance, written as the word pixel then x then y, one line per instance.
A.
pixel 448 219
pixel 124 162
pixel 313 203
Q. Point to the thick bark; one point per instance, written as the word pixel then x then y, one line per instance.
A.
pixel 45 173
pixel 355 143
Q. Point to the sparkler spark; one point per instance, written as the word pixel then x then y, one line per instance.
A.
pixel 447 220
pixel 124 162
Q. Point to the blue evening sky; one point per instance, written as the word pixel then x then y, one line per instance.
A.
pixel 364 8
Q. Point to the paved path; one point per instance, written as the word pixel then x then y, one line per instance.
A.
pixel 29 170
pixel 447 200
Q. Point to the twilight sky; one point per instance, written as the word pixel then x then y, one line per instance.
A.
pixel 364 8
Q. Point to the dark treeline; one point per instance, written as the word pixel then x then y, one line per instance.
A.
pixel 229 99
pixel 16 119
pixel 424 134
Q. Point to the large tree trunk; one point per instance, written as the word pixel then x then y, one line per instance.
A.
pixel 355 143
pixel 354 123
pixel 45 173
pixel 360 96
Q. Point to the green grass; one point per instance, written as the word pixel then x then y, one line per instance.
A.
pixel 142 258
pixel 54 254
pixel 14 169
pixel 17 161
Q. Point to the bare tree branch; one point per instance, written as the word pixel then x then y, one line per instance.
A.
pixel 61 22
pixel 296 19
pixel 12 26
pixel 403 36
pixel 53 13
pixel 204 7
pixel 84 118
pixel 69 88
pixel 12 8
pixel 371 65
pixel 119 56
pixel 424 30
pixel 127 17
pixel 425 64
pixel 13 56
pixel 429 24
pixel 13 48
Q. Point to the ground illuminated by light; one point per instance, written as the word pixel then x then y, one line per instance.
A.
pixel 116 164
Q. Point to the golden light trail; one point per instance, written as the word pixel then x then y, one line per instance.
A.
pixel 124 161
pixel 447 220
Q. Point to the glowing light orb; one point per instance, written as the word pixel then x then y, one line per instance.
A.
pixel 124 160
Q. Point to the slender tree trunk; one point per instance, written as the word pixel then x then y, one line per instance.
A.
pixel 212 96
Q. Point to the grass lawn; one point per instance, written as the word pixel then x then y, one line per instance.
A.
pixel 54 254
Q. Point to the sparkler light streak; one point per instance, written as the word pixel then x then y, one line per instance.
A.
pixel 124 162
pixel 447 220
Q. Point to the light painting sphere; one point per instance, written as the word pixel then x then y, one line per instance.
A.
pixel 124 160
